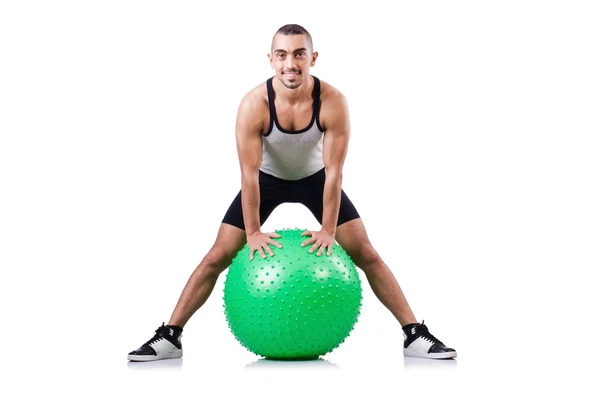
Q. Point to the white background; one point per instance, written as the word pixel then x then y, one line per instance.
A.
pixel 473 163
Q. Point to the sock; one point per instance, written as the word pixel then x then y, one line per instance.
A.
pixel 409 326
pixel 175 327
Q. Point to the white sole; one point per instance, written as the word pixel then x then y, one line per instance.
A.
pixel 410 353
pixel 176 354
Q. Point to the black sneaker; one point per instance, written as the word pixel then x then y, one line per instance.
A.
pixel 166 343
pixel 418 342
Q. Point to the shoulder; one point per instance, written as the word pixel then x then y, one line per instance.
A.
pixel 254 107
pixel 334 105
pixel 331 96
pixel 256 98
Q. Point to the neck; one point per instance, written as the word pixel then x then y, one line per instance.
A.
pixel 294 96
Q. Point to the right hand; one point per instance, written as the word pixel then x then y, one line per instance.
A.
pixel 259 241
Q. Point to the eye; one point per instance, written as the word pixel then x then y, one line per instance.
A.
pixel 301 53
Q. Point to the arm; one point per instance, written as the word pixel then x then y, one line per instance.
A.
pixel 335 146
pixel 248 129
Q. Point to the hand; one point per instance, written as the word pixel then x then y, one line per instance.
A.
pixel 321 239
pixel 259 241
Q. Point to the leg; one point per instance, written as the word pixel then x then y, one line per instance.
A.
pixel 352 237
pixel 230 240
pixel 166 342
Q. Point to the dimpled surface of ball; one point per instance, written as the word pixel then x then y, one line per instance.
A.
pixel 294 305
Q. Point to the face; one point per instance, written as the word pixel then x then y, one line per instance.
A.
pixel 291 58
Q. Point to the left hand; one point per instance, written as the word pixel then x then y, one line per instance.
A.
pixel 321 239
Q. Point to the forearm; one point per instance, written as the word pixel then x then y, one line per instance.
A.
pixel 332 196
pixel 251 203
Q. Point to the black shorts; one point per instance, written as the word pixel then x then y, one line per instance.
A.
pixel 275 191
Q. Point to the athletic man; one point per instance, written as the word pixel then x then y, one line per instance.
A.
pixel 292 135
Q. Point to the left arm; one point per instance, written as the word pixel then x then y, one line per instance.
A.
pixel 335 145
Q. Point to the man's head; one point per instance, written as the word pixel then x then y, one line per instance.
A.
pixel 292 55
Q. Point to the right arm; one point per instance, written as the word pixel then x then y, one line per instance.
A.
pixel 248 138
pixel 248 128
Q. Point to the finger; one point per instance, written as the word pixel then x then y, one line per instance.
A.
pixel 251 254
pixel 274 235
pixel 261 252
pixel 320 251
pixel 329 250
pixel 306 233
pixel 275 243
pixel 268 249
pixel 314 247
pixel 309 241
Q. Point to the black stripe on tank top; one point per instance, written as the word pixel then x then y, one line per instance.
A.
pixel 273 114
pixel 317 102
pixel 271 106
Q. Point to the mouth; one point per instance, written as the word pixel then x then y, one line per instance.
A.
pixel 291 75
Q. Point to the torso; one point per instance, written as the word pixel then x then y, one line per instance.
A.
pixel 293 134
pixel 292 117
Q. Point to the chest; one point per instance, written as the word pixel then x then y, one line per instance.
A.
pixel 294 117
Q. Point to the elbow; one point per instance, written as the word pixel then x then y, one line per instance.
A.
pixel 249 176
pixel 333 173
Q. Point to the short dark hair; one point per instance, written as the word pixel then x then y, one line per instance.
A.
pixel 293 29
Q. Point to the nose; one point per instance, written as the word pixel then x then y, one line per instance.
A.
pixel 289 63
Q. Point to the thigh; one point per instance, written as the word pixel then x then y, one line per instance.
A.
pixel 312 198
pixel 352 237
pixel 272 194
pixel 230 239
pixel 346 213
pixel 235 215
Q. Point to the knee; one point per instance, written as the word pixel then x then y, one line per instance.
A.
pixel 365 257
pixel 215 261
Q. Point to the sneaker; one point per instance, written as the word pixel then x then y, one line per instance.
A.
pixel 166 343
pixel 418 342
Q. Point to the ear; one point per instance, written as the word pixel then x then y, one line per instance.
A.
pixel 270 60
pixel 314 58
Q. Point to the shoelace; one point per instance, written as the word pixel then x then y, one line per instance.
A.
pixel 424 333
pixel 157 335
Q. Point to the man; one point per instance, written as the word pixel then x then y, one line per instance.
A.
pixel 292 135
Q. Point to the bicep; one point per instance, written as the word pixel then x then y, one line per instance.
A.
pixel 337 136
pixel 248 137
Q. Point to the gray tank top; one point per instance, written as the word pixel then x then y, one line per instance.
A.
pixel 293 155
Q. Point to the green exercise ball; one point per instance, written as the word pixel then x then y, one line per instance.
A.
pixel 294 305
